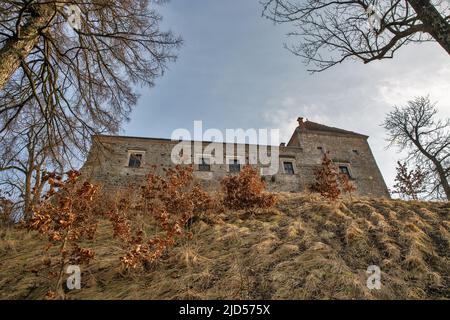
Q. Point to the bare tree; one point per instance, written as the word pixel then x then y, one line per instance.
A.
pixel 81 79
pixel 415 129
pixel 26 157
pixel 367 30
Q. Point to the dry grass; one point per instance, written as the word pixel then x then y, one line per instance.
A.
pixel 306 248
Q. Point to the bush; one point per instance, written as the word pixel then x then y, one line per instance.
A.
pixel 166 204
pixel 346 185
pixel 246 191
pixel 6 211
pixel 409 183
pixel 66 216
pixel 148 220
pixel 327 179
pixel 329 182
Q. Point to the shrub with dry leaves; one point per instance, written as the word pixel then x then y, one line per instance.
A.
pixel 409 183
pixel 329 182
pixel 246 191
pixel 67 216
pixel 6 211
pixel 347 186
pixel 163 208
pixel 327 179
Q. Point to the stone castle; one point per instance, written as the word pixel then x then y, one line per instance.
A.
pixel 117 161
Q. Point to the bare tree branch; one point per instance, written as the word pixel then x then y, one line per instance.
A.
pixel 331 32
pixel 82 81
pixel 413 128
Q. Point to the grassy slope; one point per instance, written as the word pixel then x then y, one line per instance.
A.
pixel 305 248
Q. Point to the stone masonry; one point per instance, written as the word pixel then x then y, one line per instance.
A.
pixel 119 161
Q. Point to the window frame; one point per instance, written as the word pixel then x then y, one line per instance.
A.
pixel 132 153
pixel 200 163
pixel 229 159
pixel 347 167
pixel 234 163
pixel 292 167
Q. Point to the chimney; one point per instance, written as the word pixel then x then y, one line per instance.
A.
pixel 301 122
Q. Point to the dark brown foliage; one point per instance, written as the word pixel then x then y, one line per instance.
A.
pixel 329 182
pixel 166 204
pixel 347 186
pixel 409 183
pixel 246 191
pixel 66 216
pixel 6 211
pixel 327 179
pixel 147 220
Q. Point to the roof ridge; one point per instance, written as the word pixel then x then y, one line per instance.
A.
pixel 315 126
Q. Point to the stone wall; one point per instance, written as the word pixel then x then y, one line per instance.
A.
pixel 107 162
pixel 352 151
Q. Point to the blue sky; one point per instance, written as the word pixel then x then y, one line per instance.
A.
pixel 233 72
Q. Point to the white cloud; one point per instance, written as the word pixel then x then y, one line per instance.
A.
pixel 234 73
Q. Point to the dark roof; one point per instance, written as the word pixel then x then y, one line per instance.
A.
pixel 313 126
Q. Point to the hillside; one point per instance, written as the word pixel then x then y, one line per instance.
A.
pixel 304 249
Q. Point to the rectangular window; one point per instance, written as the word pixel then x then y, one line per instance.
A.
pixel 288 167
pixel 344 170
pixel 204 165
pixel 135 160
pixel 234 165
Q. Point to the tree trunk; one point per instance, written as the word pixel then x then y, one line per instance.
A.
pixel 17 48
pixel 438 165
pixel 27 197
pixel 38 185
pixel 58 287
pixel 444 181
pixel 435 24
pixel 29 176
pixel 28 191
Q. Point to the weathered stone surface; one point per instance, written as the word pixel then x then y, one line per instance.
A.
pixel 107 162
